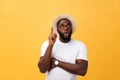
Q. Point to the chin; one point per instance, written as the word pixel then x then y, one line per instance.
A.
pixel 66 38
pixel 63 37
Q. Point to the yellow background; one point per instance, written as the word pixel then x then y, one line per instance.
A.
pixel 25 24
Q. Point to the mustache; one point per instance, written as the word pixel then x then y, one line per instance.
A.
pixel 64 38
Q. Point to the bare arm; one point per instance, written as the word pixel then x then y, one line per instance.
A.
pixel 44 62
pixel 80 68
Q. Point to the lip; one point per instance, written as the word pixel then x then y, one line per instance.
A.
pixel 66 33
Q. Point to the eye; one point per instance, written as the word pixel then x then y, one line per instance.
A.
pixel 68 26
pixel 61 26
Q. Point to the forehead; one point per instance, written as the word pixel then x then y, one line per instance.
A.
pixel 64 21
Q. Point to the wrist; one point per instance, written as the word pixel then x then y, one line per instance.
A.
pixel 50 45
pixel 56 62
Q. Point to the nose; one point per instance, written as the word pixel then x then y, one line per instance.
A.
pixel 65 27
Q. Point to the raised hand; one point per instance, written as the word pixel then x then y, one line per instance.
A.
pixel 52 37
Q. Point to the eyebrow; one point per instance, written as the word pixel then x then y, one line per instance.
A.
pixel 63 24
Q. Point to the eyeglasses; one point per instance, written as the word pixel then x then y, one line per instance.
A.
pixel 64 26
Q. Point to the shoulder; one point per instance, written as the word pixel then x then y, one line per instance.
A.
pixel 45 43
pixel 78 43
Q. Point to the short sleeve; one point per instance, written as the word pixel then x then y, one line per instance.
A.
pixel 82 52
pixel 43 48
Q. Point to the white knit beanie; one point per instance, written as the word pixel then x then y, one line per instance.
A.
pixel 72 20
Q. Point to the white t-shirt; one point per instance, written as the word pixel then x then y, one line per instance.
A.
pixel 66 52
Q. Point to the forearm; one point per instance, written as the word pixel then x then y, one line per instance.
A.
pixel 44 62
pixel 79 69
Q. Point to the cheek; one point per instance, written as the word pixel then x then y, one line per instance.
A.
pixel 59 30
pixel 70 30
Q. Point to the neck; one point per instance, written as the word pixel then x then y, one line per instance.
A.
pixel 64 41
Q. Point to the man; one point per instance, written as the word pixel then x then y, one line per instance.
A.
pixel 63 58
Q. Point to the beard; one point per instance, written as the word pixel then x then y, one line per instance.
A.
pixel 65 38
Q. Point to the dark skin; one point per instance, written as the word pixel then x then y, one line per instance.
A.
pixel 46 63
